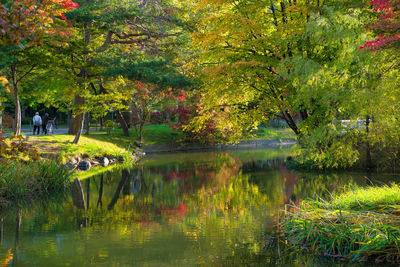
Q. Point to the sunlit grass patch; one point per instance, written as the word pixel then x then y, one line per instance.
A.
pixel 358 224
pixel 371 198
pixel 61 145
pixel 273 133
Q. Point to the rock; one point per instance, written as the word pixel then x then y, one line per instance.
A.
pixel 70 166
pixel 104 161
pixel 73 161
pixel 94 163
pixel 121 159
pixel 138 144
pixel 84 165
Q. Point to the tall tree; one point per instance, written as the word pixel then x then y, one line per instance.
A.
pixel 23 26
pixel 109 30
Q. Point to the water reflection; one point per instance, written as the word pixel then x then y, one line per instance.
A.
pixel 189 209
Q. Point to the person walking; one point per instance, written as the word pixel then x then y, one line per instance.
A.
pixel 44 123
pixel 37 122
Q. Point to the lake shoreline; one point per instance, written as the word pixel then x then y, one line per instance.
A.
pixel 248 144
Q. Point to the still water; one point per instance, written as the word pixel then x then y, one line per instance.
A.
pixel 186 209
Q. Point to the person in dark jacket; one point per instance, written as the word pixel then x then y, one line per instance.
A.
pixel 45 120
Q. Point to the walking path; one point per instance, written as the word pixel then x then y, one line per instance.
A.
pixel 29 132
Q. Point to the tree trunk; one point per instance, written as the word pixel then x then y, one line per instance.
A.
pixel 17 116
pixel 290 122
pixel 369 166
pixel 77 120
pixel 79 132
pixel 122 122
pixel 127 117
pixel 101 123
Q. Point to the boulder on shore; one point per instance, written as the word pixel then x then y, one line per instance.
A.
pixel 84 165
pixel 104 161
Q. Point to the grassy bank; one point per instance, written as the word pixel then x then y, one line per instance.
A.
pixel 358 224
pixel 61 147
pixel 21 180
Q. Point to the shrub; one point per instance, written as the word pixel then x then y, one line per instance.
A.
pixel 17 149
pixel 109 125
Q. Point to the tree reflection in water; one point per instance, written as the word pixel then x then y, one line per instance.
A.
pixel 193 209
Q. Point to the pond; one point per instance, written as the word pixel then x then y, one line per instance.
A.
pixel 182 209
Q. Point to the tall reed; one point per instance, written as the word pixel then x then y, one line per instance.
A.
pixel 26 180
pixel 359 224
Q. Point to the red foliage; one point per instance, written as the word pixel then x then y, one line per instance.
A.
pixel 184 116
pixel 387 26
pixel 69 5
pixel 29 20
pixel 379 5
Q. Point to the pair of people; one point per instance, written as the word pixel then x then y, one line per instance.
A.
pixel 38 121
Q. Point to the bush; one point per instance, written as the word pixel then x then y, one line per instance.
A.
pixel 109 125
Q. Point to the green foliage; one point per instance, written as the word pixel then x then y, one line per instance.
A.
pixel 157 72
pixel 309 66
pixel 109 124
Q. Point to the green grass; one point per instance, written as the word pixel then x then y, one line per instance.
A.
pixel 358 224
pixel 273 133
pixel 152 135
pixel 367 199
pixel 21 180
pixel 61 147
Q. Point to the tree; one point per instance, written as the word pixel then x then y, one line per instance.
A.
pixel 24 25
pixel 111 32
